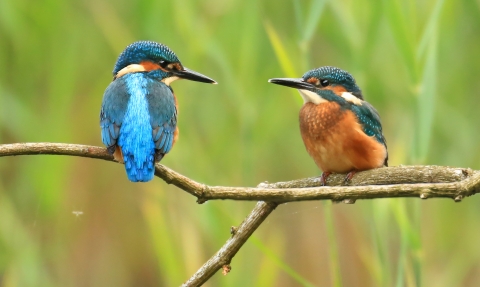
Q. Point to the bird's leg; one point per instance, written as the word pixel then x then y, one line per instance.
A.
pixel 117 154
pixel 158 155
pixel 111 149
pixel 323 178
pixel 349 176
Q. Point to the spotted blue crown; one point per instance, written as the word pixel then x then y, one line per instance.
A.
pixel 144 50
pixel 336 76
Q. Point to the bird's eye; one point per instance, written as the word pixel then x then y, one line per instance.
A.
pixel 163 64
pixel 324 83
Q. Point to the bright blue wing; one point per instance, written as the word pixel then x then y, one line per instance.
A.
pixel 114 106
pixel 370 121
pixel 162 110
pixel 163 117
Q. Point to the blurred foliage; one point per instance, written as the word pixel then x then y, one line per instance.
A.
pixel 68 221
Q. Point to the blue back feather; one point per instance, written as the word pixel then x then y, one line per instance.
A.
pixel 370 121
pixel 163 116
pixel 134 108
pixel 114 106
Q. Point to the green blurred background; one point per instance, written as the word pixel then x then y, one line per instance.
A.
pixel 68 221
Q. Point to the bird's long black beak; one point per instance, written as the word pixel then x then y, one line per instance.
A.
pixel 297 83
pixel 193 76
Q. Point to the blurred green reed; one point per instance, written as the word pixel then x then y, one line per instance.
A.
pixel 417 63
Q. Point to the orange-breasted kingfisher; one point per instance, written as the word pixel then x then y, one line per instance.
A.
pixel 138 118
pixel 341 131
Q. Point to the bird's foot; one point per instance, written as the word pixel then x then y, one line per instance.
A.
pixel 158 155
pixel 111 149
pixel 323 178
pixel 349 176
pixel 118 155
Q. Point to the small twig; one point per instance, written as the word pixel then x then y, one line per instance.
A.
pixel 227 252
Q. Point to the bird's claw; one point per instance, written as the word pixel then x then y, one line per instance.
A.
pixel 349 176
pixel 323 178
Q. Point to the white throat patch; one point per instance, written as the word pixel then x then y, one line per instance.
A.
pixel 309 96
pixel 169 80
pixel 349 97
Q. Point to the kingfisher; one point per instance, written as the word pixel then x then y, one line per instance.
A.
pixel 138 117
pixel 341 131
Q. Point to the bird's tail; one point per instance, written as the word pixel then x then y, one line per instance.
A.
pixel 139 158
pixel 139 170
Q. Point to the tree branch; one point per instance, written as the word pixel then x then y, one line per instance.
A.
pixel 402 181
pixel 466 186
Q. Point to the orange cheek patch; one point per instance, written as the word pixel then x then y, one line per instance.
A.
pixel 150 66
pixel 337 90
pixel 313 81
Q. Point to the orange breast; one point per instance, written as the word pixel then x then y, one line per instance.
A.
pixel 336 141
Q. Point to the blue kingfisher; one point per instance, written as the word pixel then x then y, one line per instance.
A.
pixel 341 131
pixel 139 109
